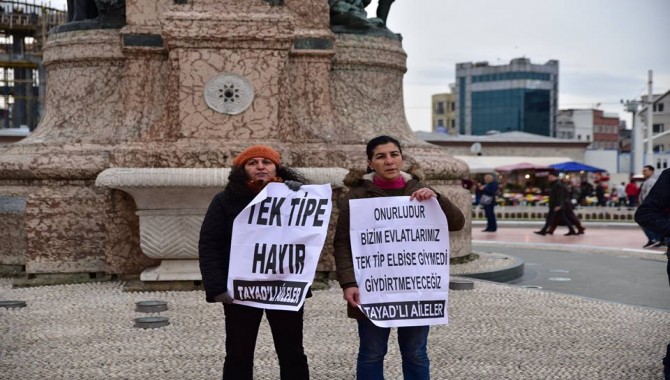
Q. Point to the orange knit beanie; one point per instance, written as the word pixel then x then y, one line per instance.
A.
pixel 257 151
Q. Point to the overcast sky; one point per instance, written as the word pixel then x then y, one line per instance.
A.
pixel 604 47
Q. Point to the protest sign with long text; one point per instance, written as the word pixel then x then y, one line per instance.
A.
pixel 276 244
pixel 400 251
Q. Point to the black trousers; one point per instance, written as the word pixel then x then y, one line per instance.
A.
pixel 242 323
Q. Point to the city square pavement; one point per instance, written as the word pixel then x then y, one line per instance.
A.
pixel 496 331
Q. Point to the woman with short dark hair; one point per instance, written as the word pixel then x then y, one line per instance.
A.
pixel 385 178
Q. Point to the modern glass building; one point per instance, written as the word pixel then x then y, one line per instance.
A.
pixel 520 96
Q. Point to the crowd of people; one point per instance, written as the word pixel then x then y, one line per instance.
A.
pixel 561 195
pixel 583 193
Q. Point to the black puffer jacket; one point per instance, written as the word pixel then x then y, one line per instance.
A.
pixel 215 237
pixel 654 212
pixel 217 229
pixel 557 194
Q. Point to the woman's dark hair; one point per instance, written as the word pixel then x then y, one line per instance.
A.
pixel 380 140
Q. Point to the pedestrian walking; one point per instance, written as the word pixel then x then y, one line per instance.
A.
pixel 631 193
pixel 585 191
pixel 252 170
pixel 559 204
pixel 488 200
pixel 649 181
pixel 622 197
pixel 569 210
pixel 385 179
pixel 654 214
pixel 600 194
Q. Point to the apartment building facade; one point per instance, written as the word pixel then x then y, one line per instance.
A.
pixel 601 130
pixel 444 114
pixel 519 96
pixel 661 121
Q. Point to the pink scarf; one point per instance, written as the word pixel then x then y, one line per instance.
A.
pixel 397 183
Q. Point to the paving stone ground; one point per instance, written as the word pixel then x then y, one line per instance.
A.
pixel 495 332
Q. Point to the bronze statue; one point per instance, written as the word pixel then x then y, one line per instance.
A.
pixel 93 14
pixel 383 9
pixel 349 16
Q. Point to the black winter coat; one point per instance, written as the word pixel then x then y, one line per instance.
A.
pixel 557 194
pixel 216 232
pixel 654 212
pixel 215 237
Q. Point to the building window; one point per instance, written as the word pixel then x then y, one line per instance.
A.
pixel 658 107
pixel 658 128
pixel 439 108
pixel 440 122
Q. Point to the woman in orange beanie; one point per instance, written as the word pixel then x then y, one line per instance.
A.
pixel 252 170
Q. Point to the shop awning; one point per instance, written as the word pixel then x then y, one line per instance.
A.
pixel 574 166
pixel 487 164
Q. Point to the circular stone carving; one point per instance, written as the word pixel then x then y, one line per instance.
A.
pixel 229 93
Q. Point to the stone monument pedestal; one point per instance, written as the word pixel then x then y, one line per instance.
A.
pixel 167 91
pixel 171 205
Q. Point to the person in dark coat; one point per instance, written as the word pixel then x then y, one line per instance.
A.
pixel 600 194
pixel 488 200
pixel 386 179
pixel 654 214
pixel 569 212
pixel 649 181
pixel 585 191
pixel 252 170
pixel 559 208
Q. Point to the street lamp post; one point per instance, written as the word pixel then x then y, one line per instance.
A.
pixel 650 124
pixel 636 156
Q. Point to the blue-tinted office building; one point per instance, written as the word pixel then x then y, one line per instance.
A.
pixel 520 96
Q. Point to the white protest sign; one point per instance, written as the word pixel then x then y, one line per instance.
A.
pixel 400 251
pixel 276 244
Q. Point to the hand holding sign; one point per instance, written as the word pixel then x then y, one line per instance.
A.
pixel 422 194
pixel 353 296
